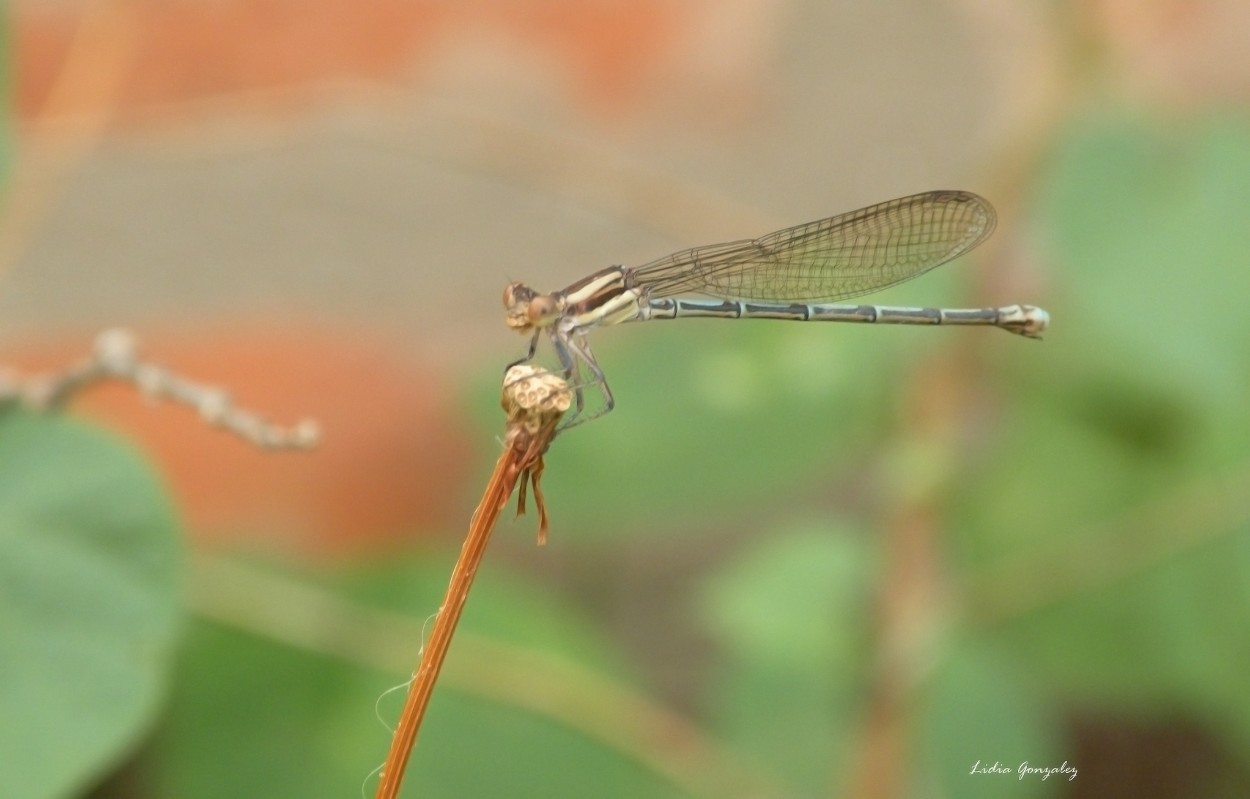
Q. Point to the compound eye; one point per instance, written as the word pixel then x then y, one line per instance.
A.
pixel 541 308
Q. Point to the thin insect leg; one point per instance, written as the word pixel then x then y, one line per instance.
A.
pixel 529 356
pixel 581 348
pixel 571 373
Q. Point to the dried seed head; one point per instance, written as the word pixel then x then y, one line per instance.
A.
pixel 532 395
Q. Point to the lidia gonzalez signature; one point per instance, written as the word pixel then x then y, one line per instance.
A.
pixel 1025 769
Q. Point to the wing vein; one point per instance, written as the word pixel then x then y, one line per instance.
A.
pixel 831 259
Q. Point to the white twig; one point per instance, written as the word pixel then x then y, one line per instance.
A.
pixel 116 357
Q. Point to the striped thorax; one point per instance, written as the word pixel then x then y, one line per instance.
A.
pixel 600 299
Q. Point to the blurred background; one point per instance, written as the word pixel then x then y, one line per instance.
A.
pixel 797 560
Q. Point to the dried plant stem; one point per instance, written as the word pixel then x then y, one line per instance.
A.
pixel 116 357
pixel 622 719
pixel 534 401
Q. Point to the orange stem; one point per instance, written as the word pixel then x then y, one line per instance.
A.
pixel 521 459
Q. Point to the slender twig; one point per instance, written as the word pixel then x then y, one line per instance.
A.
pixel 116 357
pixel 534 400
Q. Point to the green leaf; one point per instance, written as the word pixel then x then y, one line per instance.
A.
pixel 478 748
pixel 1154 640
pixel 89 605
pixel 1107 512
pixel 1051 476
pixel 248 717
pixel 503 605
pixel 1148 241
pixel 251 717
pixel 790 616
pixel 981 710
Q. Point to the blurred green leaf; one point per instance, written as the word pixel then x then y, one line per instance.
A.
pixel 503 605
pixel 1153 641
pixel 88 602
pixel 481 749
pixel 1050 476
pixel 253 718
pixel 1148 243
pixel 790 617
pixel 1107 523
pixel 1151 360
pixel 794 599
pixel 979 707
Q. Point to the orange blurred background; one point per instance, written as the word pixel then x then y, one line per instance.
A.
pixel 316 206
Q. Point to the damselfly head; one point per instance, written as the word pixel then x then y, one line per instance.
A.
pixel 516 303
pixel 525 309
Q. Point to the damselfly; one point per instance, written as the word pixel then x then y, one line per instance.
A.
pixel 789 274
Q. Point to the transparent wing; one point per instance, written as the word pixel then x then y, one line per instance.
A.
pixel 843 256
